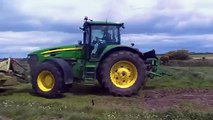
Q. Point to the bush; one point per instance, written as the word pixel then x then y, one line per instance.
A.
pixel 178 55
pixel 164 59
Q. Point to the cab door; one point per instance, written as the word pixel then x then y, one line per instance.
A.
pixel 101 37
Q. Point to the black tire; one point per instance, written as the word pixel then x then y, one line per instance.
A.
pixel 108 62
pixel 57 89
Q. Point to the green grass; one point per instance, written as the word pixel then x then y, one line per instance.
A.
pixel 184 77
pixel 20 104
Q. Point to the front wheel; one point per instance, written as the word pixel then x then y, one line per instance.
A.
pixel 48 80
pixel 122 73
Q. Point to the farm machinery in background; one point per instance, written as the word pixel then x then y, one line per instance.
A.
pixel 12 72
pixel 120 69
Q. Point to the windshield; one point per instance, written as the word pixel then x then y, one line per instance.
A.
pixel 108 34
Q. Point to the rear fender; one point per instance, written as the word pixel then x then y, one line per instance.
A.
pixel 119 48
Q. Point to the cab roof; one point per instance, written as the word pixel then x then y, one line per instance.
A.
pixel 104 23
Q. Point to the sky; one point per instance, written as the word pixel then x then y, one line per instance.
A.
pixel 163 25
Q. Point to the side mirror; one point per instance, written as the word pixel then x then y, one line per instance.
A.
pixel 81 28
pixel 123 26
pixel 80 42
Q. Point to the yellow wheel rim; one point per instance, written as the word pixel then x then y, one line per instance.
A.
pixel 123 74
pixel 45 81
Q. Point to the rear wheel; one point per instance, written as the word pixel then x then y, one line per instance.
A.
pixel 48 80
pixel 122 73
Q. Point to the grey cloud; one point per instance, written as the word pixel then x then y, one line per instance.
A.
pixel 19 44
pixel 170 24
pixel 12 20
pixel 165 17
pixel 163 42
pixel 171 17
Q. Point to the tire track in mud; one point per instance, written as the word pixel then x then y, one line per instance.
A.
pixel 164 99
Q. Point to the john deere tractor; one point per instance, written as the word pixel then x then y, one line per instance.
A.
pixel 122 70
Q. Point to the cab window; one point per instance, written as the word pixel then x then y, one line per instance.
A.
pixel 105 34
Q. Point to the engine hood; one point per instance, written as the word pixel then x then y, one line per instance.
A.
pixel 68 51
pixel 57 49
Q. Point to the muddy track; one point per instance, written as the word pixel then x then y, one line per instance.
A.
pixel 163 99
pixel 4 118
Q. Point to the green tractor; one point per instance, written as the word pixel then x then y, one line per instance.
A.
pixel 122 70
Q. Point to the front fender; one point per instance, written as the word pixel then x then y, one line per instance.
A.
pixel 64 67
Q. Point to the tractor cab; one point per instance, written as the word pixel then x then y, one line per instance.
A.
pixel 98 35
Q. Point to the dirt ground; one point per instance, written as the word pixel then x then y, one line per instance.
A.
pixel 163 99
pixel 4 118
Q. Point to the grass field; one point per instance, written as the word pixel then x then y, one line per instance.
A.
pixel 187 94
pixel 199 56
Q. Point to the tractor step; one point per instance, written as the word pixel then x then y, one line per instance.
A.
pixel 90 72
